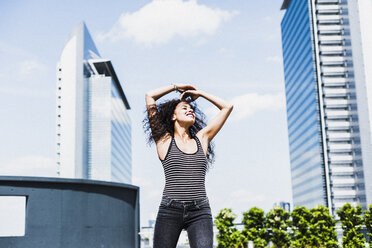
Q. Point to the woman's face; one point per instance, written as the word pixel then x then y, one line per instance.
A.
pixel 184 114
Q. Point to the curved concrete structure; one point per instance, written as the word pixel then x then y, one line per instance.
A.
pixel 74 213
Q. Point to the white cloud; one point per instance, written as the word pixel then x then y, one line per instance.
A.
pixel 274 59
pixel 25 74
pixel 161 20
pixel 30 166
pixel 200 42
pixel 226 52
pixel 222 50
pixel 31 66
pixel 251 103
pixel 268 18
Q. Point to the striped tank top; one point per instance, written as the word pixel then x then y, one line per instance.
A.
pixel 184 173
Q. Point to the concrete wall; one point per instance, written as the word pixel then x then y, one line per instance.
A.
pixel 74 213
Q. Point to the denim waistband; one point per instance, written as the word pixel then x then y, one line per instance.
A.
pixel 176 203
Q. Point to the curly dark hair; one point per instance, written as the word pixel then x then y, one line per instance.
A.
pixel 160 118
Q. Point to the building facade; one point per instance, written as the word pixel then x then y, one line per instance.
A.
pixel 93 125
pixel 74 213
pixel 328 96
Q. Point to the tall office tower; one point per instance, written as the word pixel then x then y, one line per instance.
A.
pixel 326 52
pixel 93 125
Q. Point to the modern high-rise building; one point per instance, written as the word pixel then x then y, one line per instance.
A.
pixel 327 57
pixel 93 125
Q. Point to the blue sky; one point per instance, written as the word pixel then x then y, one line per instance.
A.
pixel 231 49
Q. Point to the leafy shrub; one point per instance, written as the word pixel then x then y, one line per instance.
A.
pixel 351 222
pixel 254 227
pixel 277 223
pixel 228 236
pixel 323 228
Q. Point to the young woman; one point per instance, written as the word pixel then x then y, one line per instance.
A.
pixel 183 146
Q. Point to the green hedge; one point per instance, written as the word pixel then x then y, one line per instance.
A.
pixel 300 228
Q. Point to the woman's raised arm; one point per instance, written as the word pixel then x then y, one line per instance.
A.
pixel 217 122
pixel 153 95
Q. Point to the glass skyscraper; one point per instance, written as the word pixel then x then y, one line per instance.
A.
pixel 93 125
pixel 326 53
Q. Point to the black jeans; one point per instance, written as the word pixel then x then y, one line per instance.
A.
pixel 173 216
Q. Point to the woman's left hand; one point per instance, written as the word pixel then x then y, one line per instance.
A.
pixel 194 94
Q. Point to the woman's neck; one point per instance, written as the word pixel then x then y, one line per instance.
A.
pixel 182 132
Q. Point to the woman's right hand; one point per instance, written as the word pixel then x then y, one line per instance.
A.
pixel 184 87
